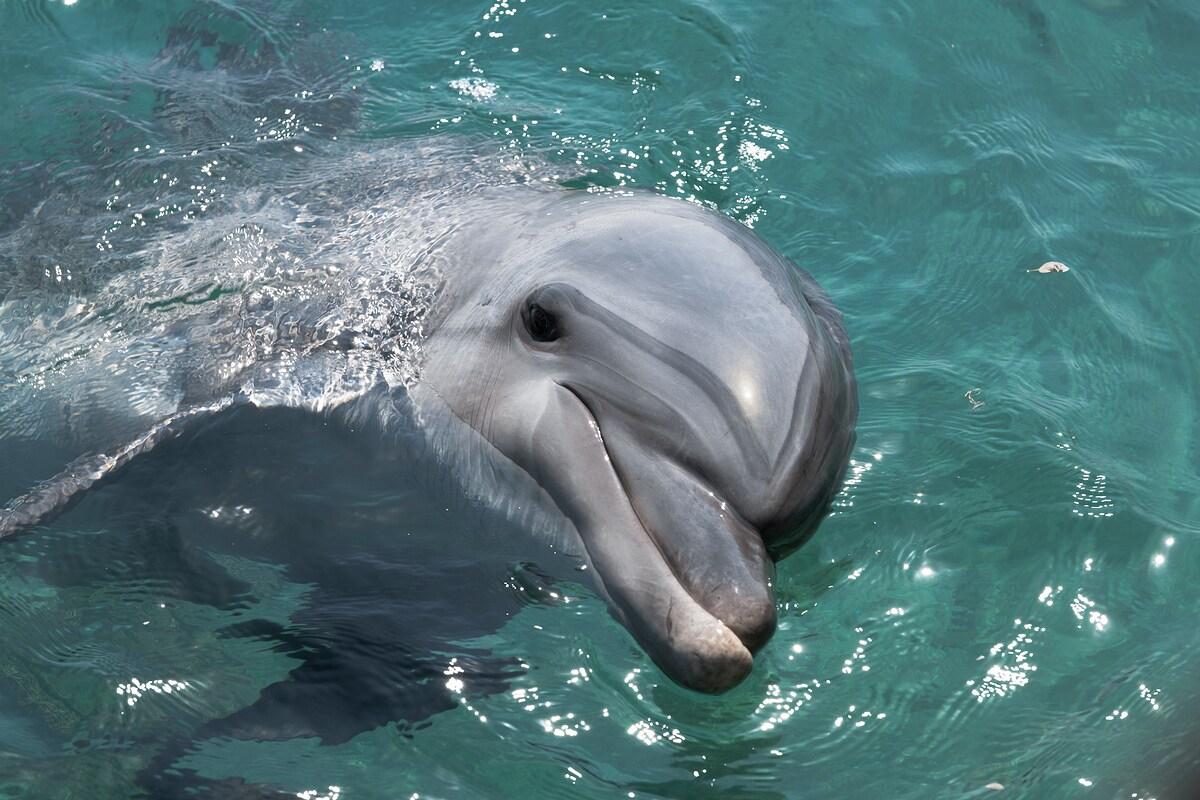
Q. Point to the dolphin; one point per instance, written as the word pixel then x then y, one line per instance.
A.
pixel 675 394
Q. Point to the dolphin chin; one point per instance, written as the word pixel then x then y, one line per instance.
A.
pixel 692 646
pixel 683 572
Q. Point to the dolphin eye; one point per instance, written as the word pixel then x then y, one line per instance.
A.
pixel 541 324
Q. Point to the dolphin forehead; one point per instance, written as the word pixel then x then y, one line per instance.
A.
pixel 704 296
pixel 669 250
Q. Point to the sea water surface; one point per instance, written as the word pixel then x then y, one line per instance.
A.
pixel 1005 600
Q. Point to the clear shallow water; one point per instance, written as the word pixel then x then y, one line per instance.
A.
pixel 1006 592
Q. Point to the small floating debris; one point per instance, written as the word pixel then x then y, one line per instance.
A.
pixel 995 787
pixel 1051 266
pixel 974 399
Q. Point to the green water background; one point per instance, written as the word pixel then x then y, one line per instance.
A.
pixel 1006 592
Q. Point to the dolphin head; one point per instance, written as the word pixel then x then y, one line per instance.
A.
pixel 681 392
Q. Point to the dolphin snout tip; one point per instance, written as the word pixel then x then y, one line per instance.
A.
pixel 751 619
pixel 737 588
pixel 712 660
pixel 719 668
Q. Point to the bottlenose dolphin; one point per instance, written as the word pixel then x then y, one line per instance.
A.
pixel 676 394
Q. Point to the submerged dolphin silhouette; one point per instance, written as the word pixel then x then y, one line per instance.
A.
pixel 675 392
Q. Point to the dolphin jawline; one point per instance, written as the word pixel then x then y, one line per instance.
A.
pixel 651 598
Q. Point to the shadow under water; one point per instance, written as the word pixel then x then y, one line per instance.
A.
pixel 378 549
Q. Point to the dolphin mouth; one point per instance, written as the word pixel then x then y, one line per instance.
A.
pixel 688 577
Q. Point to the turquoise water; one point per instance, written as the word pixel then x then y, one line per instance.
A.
pixel 1005 595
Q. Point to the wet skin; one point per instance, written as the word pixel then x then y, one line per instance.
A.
pixel 675 392
pixel 682 393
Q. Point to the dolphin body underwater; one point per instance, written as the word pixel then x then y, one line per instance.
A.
pixel 674 394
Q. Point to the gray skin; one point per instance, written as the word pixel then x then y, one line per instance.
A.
pixel 654 373
pixel 690 407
